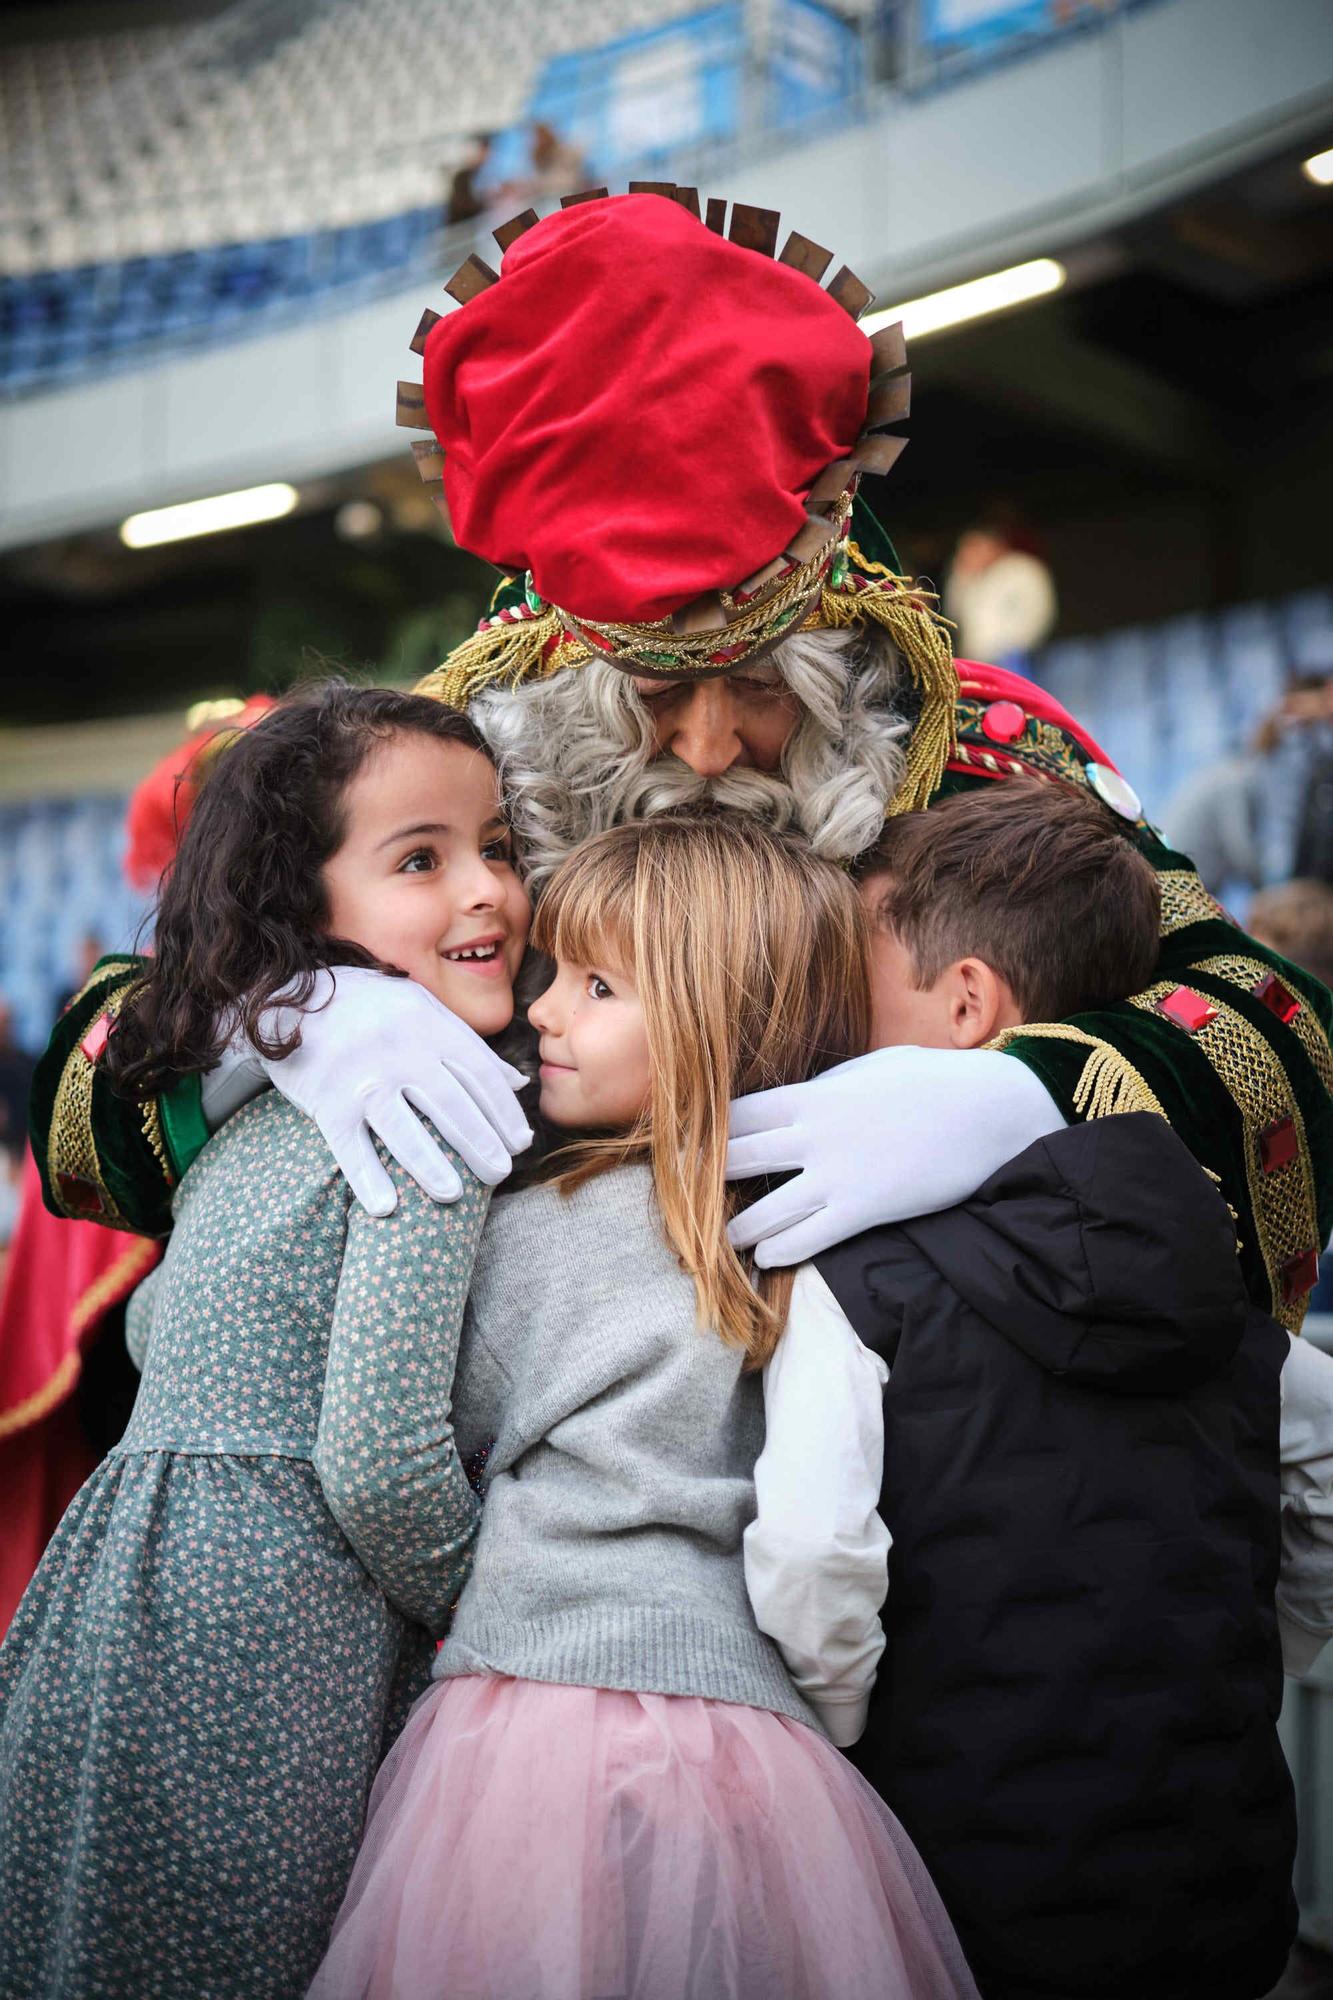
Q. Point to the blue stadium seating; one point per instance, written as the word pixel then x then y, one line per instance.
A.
pixel 60 885
pixel 58 325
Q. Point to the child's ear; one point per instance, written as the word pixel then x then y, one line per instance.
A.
pixel 980 1003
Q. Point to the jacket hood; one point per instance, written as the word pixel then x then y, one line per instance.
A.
pixel 1104 1253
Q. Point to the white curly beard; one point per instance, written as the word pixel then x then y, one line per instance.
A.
pixel 576 754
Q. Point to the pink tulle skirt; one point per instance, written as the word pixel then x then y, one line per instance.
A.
pixel 528 1841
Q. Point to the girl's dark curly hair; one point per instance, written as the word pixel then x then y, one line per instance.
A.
pixel 241 915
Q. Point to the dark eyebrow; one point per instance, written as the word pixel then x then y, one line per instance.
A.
pixel 435 827
pixel 414 832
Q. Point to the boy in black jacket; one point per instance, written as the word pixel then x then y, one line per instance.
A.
pixel 1075 1714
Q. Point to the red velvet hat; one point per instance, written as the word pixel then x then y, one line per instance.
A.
pixel 637 411
pixel 661 428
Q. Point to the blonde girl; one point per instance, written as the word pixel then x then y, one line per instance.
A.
pixel 614 1787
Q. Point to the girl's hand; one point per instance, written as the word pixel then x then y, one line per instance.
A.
pixel 901 1132
pixel 374 1052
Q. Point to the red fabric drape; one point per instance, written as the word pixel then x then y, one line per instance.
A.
pixel 60 1281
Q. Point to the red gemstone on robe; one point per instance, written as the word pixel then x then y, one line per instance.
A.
pixel 78 1196
pixel 1278 1144
pixel 93 1045
pixel 1003 722
pixel 1278 999
pixel 1189 1010
pixel 1299 1275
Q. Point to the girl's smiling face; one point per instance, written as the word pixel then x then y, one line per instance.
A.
pixel 594 1048
pixel 424 878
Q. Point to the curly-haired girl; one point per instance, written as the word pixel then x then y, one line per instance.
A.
pixel 202 1677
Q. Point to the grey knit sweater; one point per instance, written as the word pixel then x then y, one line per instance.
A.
pixel 621 1480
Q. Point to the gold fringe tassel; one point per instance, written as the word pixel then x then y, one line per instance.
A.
pixel 1109 1086
pixel 923 641
pixel 504 654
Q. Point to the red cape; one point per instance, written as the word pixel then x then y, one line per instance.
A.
pixel 61 1279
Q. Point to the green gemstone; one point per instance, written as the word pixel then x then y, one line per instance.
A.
pixel 838 572
pixel 662 659
pixel 534 602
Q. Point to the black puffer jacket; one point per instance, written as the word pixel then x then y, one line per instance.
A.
pixel 1076 1714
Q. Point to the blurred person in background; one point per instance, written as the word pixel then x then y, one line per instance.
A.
pixel 91 948
pixel 465 200
pixel 999 592
pixel 1296 919
pixel 1265 812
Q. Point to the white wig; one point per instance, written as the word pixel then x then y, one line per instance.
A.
pixel 575 752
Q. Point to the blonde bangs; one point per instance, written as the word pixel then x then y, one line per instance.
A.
pixel 586 913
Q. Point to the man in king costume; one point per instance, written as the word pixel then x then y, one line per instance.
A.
pixel 654 423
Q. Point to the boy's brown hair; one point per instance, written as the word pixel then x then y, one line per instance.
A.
pixel 1035 879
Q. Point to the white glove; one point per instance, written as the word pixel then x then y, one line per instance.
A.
pixel 901 1132
pixel 377 1053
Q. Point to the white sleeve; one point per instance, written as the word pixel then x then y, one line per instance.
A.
pixel 817 1553
pixel 1305 1584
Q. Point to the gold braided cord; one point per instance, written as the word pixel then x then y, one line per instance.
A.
pixel 1185 901
pixel 922 639
pixel 658 649
pixel 1253 1076
pixel 71 1148
pixel 1109 1085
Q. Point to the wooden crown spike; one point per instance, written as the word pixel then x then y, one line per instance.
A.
pixel 890 401
pixel 755 228
pixel 667 188
pixel 703 614
pixel 689 198
pixel 810 539
pixel 848 292
pixel 471 278
pixel 584 194
pixel 832 482
pixel 888 350
pixel 429 318
pixel 754 584
pixel 517 225
pixel 429 458
pixel 803 255
pixel 410 413
pixel 877 453
pixel 716 217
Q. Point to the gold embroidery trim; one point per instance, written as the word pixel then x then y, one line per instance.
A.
pixel 1306 1026
pixel 1252 1073
pixel 1185 901
pixel 71 1148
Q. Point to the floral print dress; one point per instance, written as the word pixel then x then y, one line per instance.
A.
pixel 202 1678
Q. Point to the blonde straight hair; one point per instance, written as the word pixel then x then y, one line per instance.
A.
pixel 749 955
